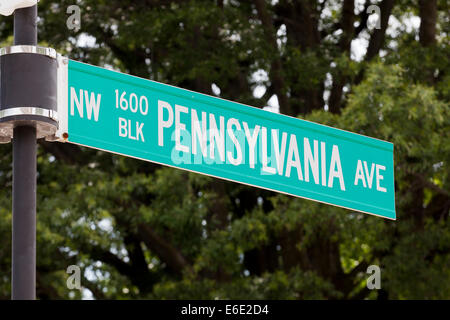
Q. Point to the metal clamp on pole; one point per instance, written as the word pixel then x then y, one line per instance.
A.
pixel 28 90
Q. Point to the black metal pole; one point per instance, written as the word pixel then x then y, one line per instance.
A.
pixel 24 181
pixel 25 28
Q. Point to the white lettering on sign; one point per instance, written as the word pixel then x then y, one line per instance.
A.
pixel 132 103
pixel 215 132
pixel 178 127
pixel 360 174
pixel 265 168
pixel 323 163
pixel 279 152
pixel 199 132
pixel 217 136
pixel 91 101
pixel 126 130
pixel 251 139
pixel 162 105
pixel 380 177
pixel 230 124
pixel 311 161
pixel 293 152
pixel 336 169
pixel 366 176
pixel 231 140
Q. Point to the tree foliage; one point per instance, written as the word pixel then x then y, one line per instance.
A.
pixel 139 230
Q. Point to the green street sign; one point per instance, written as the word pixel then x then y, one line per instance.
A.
pixel 147 120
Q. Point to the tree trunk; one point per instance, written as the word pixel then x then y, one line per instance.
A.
pixel 428 18
pixel 276 66
pixel 347 20
pixel 378 36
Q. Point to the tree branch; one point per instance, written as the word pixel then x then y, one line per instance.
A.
pixel 363 18
pixel 361 267
pixel 107 257
pixel 378 36
pixel 96 292
pixel 276 65
pixel 167 252
pixel 347 20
